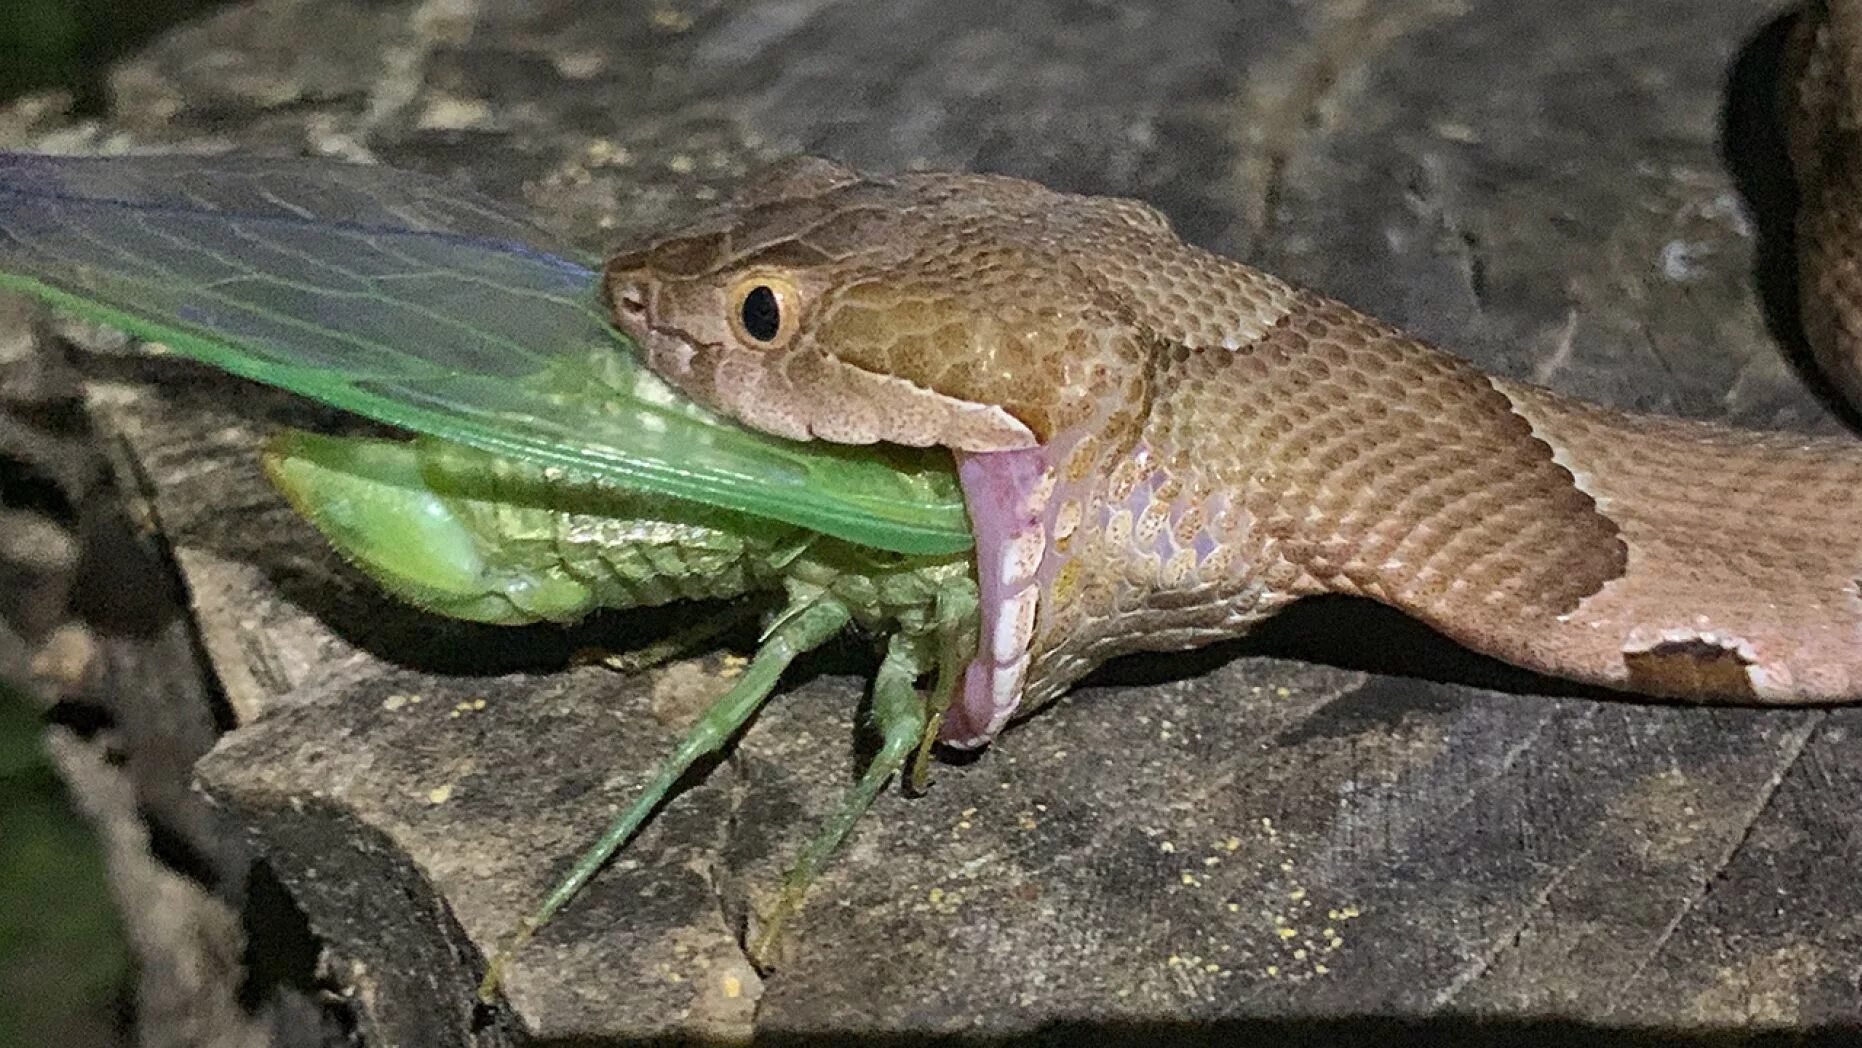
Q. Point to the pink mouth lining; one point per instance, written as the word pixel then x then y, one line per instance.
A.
pixel 1007 494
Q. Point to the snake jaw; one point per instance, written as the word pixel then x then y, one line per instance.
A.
pixel 1007 493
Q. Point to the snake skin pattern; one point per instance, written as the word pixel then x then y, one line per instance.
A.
pixel 1160 446
pixel 1823 116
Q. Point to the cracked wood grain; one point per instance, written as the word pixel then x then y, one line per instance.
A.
pixel 1478 966
pixel 1794 746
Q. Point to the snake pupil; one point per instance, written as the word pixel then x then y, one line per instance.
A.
pixel 761 313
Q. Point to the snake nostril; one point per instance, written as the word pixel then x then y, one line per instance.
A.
pixel 630 298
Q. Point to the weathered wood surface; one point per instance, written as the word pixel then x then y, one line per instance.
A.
pixel 1346 829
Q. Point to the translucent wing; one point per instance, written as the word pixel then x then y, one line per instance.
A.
pixel 411 301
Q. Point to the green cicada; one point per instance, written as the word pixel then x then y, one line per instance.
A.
pixel 549 475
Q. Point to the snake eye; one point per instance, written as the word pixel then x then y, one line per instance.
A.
pixel 763 310
pixel 761 314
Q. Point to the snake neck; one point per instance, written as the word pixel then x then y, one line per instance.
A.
pixel 1128 531
pixel 1324 453
pixel 1087 552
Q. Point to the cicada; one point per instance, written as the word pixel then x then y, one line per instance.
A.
pixel 545 474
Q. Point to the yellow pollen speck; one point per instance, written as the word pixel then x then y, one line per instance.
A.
pixel 1232 843
pixel 394 702
pixel 1167 848
pixel 733 987
pixel 1320 969
pixel 1190 879
pixel 439 794
pixel 1234 907
pixel 673 22
pixel 1212 860
pixel 1066 581
pixel 1284 932
pixel 1299 955
pixel 1297 894
pixel 1273 971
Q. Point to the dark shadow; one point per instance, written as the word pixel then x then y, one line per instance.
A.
pixel 77 43
pixel 1369 1031
pixel 1351 633
pixel 283 964
pixel 1361 1031
pixel 1752 145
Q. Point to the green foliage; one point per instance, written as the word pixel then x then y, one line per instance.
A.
pixel 69 44
pixel 39 45
pixel 63 958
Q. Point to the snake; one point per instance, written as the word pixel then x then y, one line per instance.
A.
pixel 1822 106
pixel 1160 447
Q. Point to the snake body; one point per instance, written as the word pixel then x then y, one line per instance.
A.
pixel 1823 114
pixel 1161 446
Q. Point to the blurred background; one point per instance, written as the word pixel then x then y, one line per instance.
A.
pixel 69 44
pixel 65 972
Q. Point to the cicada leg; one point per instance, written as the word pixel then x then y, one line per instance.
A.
pixel 800 628
pixel 955 617
pixel 899 713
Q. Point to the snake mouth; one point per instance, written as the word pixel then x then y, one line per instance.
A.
pixel 669 352
pixel 1005 488
pixel 667 349
pixel 1008 495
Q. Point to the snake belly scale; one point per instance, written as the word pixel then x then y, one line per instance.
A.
pixel 1161 446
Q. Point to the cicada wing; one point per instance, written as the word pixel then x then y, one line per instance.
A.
pixel 409 300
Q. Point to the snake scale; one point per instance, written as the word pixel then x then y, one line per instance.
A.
pixel 1160 446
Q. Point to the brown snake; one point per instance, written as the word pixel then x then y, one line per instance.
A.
pixel 1160 446
pixel 1823 107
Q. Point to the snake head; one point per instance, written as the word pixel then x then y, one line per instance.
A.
pixel 924 309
